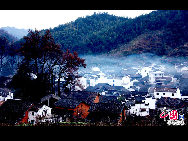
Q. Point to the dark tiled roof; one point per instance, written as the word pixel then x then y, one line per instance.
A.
pixel 170 102
pixel 99 87
pixel 105 87
pixel 163 79
pixel 83 96
pixel 67 103
pixel 108 104
pixel 165 90
pixel 138 99
pixel 106 108
pixel 75 98
pixel 108 99
pixel 13 111
pixel 106 112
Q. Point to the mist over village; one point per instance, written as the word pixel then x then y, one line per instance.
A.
pixel 99 70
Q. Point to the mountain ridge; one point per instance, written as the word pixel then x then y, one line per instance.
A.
pixel 161 32
pixel 18 33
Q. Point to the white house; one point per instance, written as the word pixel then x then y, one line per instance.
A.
pixel 153 75
pixel 167 92
pixel 140 109
pixel 101 78
pixel 9 96
pixel 39 114
pixel 126 82
pixel 145 71
pixel 95 69
pixel 5 94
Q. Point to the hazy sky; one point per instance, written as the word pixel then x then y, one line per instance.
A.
pixel 42 19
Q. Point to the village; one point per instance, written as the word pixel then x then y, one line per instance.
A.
pixel 104 100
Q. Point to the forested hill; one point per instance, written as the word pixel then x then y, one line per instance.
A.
pixel 162 32
pixel 92 34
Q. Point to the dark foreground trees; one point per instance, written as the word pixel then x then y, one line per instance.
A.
pixel 44 62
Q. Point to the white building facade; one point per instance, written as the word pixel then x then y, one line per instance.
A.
pixel 167 92
pixel 43 114
pixel 153 75
pixel 139 109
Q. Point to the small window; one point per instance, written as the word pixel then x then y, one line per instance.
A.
pixel 163 93
pixel 157 93
pixel 172 94
pixel 32 121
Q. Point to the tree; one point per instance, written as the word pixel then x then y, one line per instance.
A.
pixel 3 50
pixel 68 67
pixel 40 57
pixel 42 60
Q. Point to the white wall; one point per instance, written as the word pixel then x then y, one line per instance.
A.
pixel 145 71
pixel 2 98
pixel 10 96
pixel 153 75
pixel 168 94
pixel 136 109
pixel 42 113
pixel 32 115
pixel 151 102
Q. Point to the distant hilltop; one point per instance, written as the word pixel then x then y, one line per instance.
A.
pixel 18 33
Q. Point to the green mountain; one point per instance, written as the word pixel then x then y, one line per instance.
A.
pixel 92 34
pixel 162 32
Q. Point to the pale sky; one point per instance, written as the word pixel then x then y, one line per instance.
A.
pixel 43 19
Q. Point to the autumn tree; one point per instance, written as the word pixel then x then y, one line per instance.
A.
pixel 43 61
pixel 40 57
pixel 68 66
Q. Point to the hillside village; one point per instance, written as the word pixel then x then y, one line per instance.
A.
pixel 104 100
pixel 101 70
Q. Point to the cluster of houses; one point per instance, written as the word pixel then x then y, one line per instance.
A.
pixel 103 99
pixel 77 106
pixel 149 85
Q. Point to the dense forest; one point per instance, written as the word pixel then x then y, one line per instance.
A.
pixel 162 32
pixel 92 34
